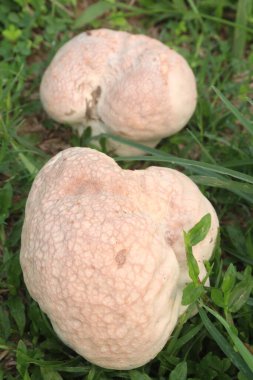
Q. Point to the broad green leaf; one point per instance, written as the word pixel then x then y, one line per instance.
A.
pixel 212 367
pixel 237 238
pixel 21 358
pixel 138 375
pixel 241 376
pixel 191 293
pixel 5 326
pixel 13 273
pixel 35 373
pixel 17 311
pixel 12 33
pixel 199 231
pixel 95 373
pixel 26 376
pixel 193 267
pixel 229 279
pixel 247 274
pixel 239 295
pixel 180 372
pixel 217 297
pixel 250 302
pixel 92 12
pixel 50 374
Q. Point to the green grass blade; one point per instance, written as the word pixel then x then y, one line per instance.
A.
pixel 243 13
pixel 209 168
pixel 224 345
pixel 250 302
pixel 226 143
pixel 29 166
pixel 162 157
pixel 224 21
pixel 247 356
pixel 245 259
pixel 187 337
pixel 202 147
pixel 195 9
pixel 92 12
pixel 240 164
pixel 244 190
pixel 247 124
pixel 223 183
pixel 131 143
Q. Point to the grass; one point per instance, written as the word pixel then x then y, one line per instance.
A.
pixel 215 150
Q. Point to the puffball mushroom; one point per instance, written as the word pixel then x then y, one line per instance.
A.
pixel 128 85
pixel 103 253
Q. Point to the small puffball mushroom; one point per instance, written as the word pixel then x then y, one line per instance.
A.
pixel 103 253
pixel 128 85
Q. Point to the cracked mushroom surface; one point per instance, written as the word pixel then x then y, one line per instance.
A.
pixel 128 85
pixel 103 253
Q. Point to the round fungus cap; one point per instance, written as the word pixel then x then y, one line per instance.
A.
pixel 103 253
pixel 128 85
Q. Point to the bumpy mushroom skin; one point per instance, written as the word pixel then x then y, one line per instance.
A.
pixel 130 85
pixel 103 253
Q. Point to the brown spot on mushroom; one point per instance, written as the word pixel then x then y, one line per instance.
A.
pixel 169 237
pixel 120 258
pixel 96 95
pixel 90 105
pixel 88 114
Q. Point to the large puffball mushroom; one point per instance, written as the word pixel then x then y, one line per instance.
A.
pixel 103 253
pixel 129 85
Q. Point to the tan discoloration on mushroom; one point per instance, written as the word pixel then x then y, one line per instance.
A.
pixel 103 253
pixel 121 257
pixel 148 91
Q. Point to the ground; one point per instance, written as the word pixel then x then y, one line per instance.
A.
pixel 215 150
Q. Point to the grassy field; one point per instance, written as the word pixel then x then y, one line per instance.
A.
pixel 215 150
